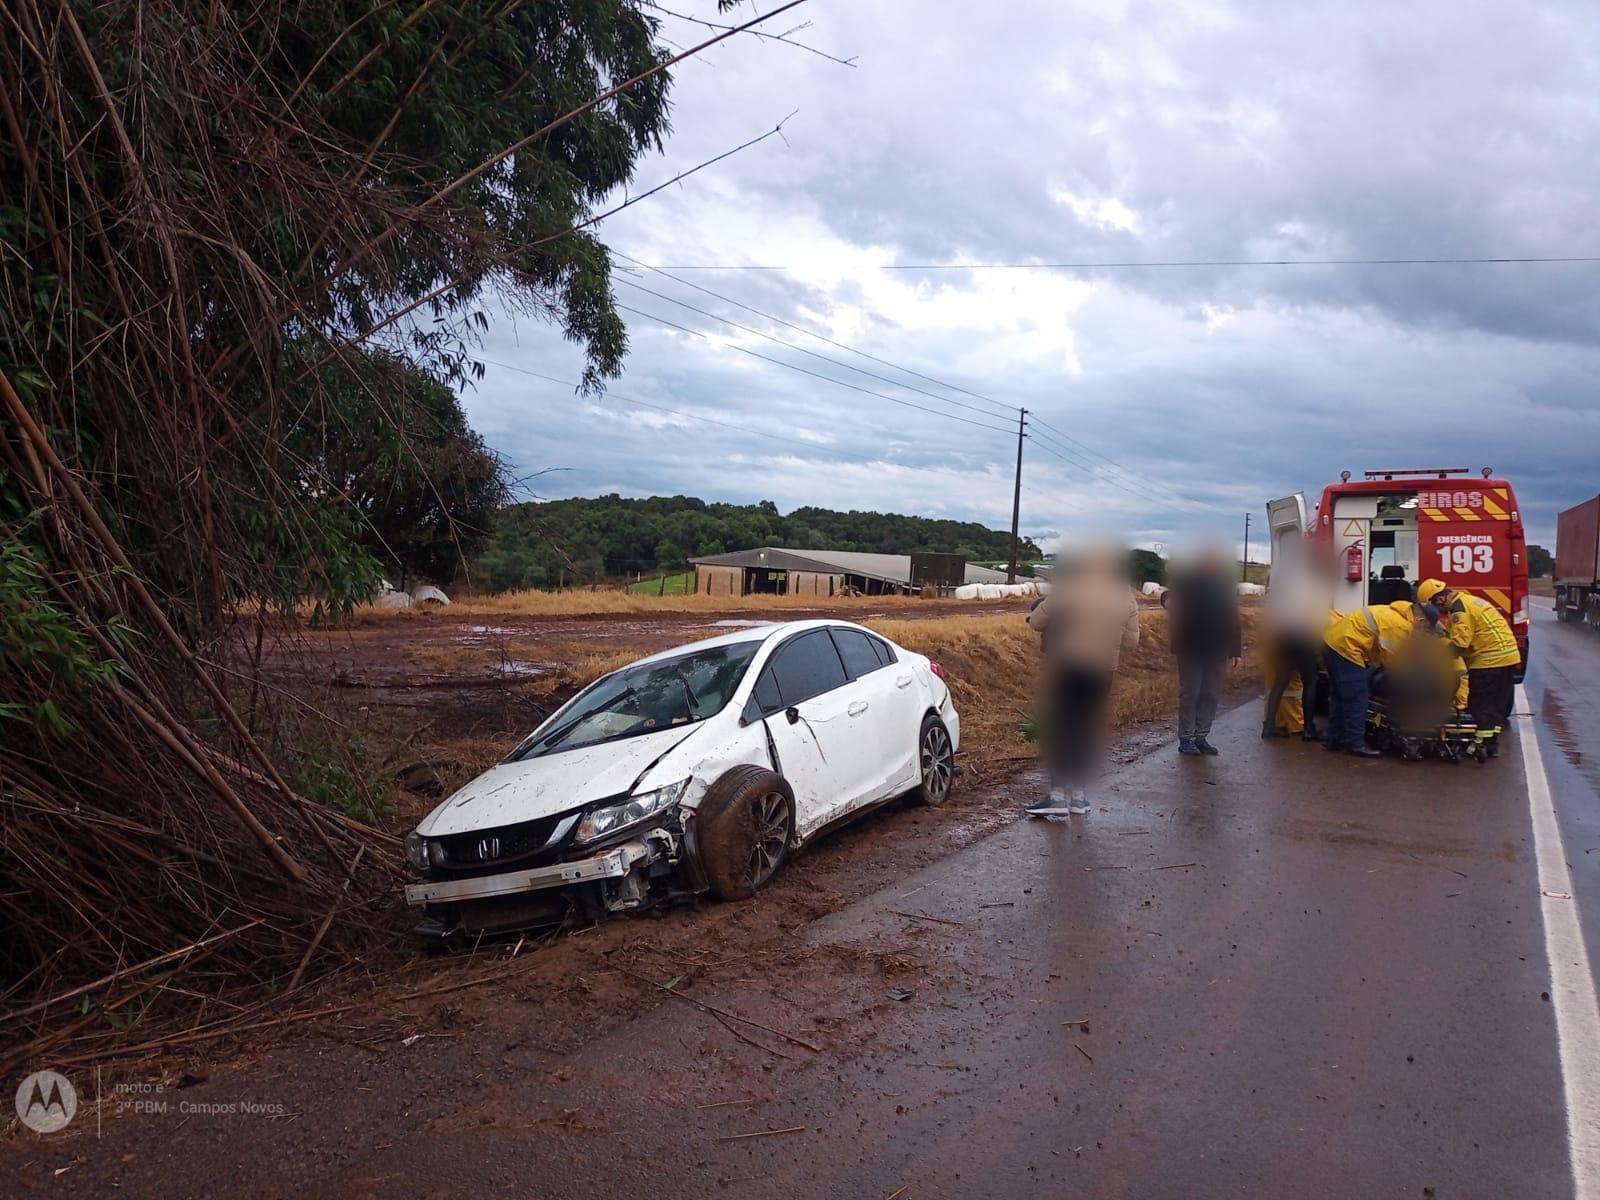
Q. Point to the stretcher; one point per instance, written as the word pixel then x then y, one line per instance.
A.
pixel 1420 713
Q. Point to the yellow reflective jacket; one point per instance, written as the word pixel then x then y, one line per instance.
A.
pixel 1481 633
pixel 1368 635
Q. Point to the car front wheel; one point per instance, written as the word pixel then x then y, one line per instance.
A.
pixel 936 759
pixel 745 825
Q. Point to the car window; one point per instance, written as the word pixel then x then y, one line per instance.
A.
pixel 859 654
pixel 885 651
pixel 644 698
pixel 807 666
pixel 766 696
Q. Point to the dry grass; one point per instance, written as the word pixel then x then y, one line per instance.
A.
pixel 584 666
pixel 575 602
pixel 993 667
pixel 991 660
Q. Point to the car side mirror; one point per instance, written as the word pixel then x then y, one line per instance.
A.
pixel 793 714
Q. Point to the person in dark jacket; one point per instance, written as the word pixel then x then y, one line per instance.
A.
pixel 1203 622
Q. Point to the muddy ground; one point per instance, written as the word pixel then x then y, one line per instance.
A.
pixel 425 1033
pixel 441 694
pixel 438 696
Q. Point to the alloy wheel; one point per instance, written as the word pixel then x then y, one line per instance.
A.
pixel 771 820
pixel 938 767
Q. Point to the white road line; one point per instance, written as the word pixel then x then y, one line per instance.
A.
pixel 1572 990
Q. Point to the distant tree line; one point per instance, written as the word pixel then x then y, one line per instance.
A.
pixel 540 544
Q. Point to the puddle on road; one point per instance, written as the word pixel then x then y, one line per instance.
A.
pixel 739 623
pixel 1554 713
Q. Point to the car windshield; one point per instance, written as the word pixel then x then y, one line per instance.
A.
pixel 643 699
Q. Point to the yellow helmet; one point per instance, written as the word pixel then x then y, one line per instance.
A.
pixel 1428 589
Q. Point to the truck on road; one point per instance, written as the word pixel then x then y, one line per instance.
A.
pixel 1385 533
pixel 1577 575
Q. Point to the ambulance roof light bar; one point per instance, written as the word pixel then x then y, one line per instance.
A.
pixel 1432 472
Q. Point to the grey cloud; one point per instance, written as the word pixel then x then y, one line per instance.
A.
pixel 1228 131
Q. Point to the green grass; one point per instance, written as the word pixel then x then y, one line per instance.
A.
pixel 665 585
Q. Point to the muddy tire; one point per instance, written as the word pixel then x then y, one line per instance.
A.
pixel 936 760
pixel 744 827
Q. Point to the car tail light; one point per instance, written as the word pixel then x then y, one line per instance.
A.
pixel 938 670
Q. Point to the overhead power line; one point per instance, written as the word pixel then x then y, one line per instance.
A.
pixel 1112 471
pixel 804 445
pixel 948 386
pixel 1167 264
pixel 1132 485
pixel 787 38
pixel 574 385
pixel 809 353
pixel 1134 490
pixel 1008 409
pixel 1058 437
pixel 1096 473
pixel 814 374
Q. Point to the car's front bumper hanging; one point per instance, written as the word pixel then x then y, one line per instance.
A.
pixel 612 864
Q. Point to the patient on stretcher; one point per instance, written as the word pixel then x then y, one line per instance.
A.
pixel 1419 700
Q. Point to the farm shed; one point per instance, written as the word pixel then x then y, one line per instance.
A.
pixel 772 569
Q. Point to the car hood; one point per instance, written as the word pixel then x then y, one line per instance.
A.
pixel 550 784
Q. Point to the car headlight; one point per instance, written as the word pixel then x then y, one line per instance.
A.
pixel 609 818
pixel 417 850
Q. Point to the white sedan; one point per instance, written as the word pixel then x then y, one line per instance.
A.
pixel 697 769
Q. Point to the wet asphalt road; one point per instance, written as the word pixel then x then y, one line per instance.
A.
pixel 1563 689
pixel 1302 975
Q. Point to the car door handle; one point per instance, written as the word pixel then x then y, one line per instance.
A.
pixel 856 709
pixel 902 681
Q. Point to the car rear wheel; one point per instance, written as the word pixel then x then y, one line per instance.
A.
pixel 745 825
pixel 936 759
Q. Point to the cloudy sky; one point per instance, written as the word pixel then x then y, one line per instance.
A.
pixel 1098 132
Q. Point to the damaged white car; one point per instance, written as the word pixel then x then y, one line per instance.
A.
pixel 698 769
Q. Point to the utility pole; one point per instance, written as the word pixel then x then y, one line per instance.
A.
pixel 1016 496
pixel 1244 563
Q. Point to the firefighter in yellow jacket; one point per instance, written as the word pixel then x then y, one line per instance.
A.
pixel 1482 636
pixel 1353 644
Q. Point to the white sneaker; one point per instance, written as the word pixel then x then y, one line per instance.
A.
pixel 1079 805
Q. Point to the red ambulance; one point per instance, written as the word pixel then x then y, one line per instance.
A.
pixel 1388 531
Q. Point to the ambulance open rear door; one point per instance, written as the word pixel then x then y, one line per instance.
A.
pixel 1286 524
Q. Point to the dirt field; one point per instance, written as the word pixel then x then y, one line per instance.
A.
pixel 436 696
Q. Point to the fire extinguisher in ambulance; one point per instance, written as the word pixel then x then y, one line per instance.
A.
pixel 1353 572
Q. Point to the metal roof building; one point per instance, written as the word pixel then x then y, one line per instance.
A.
pixel 825 572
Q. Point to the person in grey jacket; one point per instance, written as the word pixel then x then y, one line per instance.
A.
pixel 1203 621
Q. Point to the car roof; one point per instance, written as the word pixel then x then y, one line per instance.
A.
pixel 757 631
